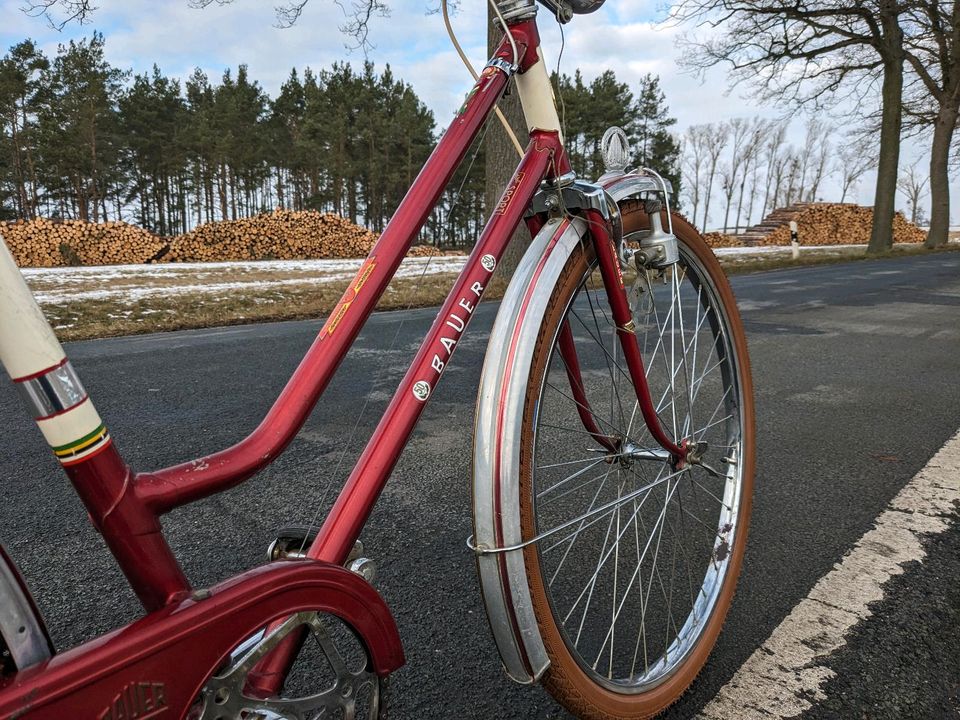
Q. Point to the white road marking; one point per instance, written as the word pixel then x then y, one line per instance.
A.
pixel 783 676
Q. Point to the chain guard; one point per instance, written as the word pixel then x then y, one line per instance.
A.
pixel 160 664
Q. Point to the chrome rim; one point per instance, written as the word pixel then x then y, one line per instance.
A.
pixel 633 586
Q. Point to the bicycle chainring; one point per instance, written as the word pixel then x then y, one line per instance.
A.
pixel 332 658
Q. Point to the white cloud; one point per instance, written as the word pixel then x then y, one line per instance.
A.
pixel 622 36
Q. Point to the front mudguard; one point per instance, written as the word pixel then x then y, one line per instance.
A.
pixel 163 660
pixel 499 418
pixel 496 454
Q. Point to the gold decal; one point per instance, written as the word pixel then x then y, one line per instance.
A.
pixel 616 262
pixel 508 195
pixel 366 270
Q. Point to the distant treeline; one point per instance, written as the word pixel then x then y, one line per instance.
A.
pixel 82 139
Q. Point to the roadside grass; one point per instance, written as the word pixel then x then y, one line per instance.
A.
pixel 733 265
pixel 262 295
pixel 87 319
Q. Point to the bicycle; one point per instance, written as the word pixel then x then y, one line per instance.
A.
pixel 614 421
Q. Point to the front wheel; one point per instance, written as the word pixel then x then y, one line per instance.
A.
pixel 637 559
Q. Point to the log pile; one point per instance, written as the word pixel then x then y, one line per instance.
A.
pixel 55 243
pixel 278 235
pixel 826 224
pixel 719 240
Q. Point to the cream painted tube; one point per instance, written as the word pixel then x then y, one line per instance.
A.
pixel 27 344
pixel 536 97
pixel 35 361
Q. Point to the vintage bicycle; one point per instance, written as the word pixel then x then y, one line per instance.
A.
pixel 612 471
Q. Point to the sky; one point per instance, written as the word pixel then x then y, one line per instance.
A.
pixel 627 36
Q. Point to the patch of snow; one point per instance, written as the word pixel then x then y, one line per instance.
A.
pixel 131 282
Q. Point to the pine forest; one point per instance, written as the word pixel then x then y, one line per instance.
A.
pixel 80 139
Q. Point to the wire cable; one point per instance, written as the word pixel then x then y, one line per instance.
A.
pixel 463 57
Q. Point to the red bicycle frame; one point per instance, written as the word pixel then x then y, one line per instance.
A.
pixel 125 507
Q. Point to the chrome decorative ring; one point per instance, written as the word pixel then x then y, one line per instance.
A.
pixel 53 392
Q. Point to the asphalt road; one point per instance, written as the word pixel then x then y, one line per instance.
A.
pixel 856 370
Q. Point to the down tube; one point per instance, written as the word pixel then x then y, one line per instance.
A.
pixel 348 515
pixel 165 489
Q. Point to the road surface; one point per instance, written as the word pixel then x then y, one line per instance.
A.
pixel 856 371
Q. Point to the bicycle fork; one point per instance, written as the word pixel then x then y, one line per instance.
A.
pixel 609 262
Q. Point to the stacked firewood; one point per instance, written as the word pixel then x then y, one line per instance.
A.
pixel 54 243
pixel 826 224
pixel 719 240
pixel 278 235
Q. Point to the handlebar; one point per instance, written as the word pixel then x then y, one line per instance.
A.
pixel 563 10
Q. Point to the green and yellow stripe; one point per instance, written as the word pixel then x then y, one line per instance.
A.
pixel 87 442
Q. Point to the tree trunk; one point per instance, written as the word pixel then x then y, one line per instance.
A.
pixel 706 200
pixel 940 176
pixel 18 167
pixel 501 160
pixel 743 186
pixel 881 236
pixel 223 192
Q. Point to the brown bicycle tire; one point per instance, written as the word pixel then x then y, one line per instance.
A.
pixel 565 679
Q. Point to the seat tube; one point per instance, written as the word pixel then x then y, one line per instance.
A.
pixel 72 427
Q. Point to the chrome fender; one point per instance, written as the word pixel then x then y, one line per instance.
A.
pixel 22 631
pixel 496 450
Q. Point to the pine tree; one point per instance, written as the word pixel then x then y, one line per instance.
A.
pixel 285 127
pixel 653 144
pixel 153 118
pixel 77 127
pixel 20 85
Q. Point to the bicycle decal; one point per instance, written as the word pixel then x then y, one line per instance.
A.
pixel 64 412
pixel 363 274
pixel 485 75
pixel 87 445
pixel 137 700
pixel 508 195
pixel 457 321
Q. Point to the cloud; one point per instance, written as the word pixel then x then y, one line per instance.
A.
pixel 623 36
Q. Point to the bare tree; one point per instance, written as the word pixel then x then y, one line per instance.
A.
pixel 78 11
pixel 792 176
pixel 738 130
pixel 694 159
pixel 754 186
pixel 358 13
pixel 772 158
pixel 809 53
pixel 914 186
pixel 933 54
pixel 816 151
pixel 716 136
pixel 852 161
pixel 757 130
